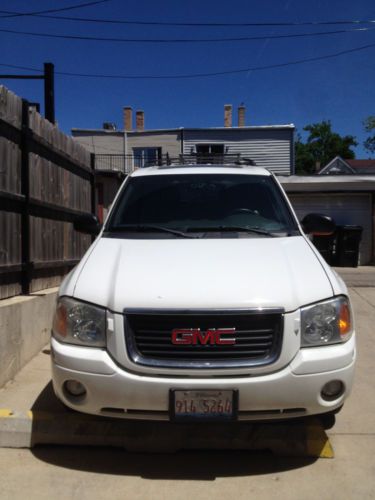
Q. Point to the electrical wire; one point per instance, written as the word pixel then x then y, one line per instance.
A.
pixel 183 40
pixel 175 23
pixel 11 14
pixel 201 75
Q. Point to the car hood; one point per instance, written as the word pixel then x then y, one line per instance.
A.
pixel 201 274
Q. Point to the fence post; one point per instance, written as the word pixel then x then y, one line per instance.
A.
pixel 92 186
pixel 49 92
pixel 25 191
pixel 92 183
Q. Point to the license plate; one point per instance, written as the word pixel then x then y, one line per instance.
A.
pixel 203 404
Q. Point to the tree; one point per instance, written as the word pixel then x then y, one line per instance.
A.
pixel 321 147
pixel 369 124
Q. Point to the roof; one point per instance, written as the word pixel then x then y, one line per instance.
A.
pixel 191 129
pixel 200 169
pixel 351 166
pixel 328 183
pixel 361 164
pixel 289 126
pixel 96 131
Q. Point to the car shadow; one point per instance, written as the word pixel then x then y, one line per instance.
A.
pixel 202 463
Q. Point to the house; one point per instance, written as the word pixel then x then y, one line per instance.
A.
pixel 339 166
pixel 269 146
pixel 119 152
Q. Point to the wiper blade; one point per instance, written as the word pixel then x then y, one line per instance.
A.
pixel 150 227
pixel 232 228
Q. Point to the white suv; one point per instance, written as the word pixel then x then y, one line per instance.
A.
pixel 202 298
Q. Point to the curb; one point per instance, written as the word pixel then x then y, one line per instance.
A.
pixel 32 428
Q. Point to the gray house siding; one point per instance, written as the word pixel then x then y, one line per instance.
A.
pixel 100 141
pixel 269 148
pixel 169 141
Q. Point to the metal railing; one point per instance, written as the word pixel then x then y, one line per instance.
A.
pixel 113 162
pixel 128 163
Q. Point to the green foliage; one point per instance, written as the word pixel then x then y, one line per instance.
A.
pixel 369 124
pixel 321 146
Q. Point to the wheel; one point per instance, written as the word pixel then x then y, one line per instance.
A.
pixel 329 419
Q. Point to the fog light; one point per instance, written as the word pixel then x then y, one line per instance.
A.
pixel 332 390
pixel 74 388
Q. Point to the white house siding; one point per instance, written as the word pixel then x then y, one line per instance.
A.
pixel 271 148
pixel 345 209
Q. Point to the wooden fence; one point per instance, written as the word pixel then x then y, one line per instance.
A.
pixel 46 180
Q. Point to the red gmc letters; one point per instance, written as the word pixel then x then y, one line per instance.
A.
pixel 194 336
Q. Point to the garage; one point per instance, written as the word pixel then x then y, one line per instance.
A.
pixel 339 200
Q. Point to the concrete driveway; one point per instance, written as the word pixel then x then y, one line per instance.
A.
pixel 90 473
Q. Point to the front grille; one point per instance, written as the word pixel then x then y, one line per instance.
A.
pixel 257 334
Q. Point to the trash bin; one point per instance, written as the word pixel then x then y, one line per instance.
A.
pixel 326 246
pixel 348 240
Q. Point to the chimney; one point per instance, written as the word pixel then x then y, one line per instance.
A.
pixel 241 115
pixel 128 118
pixel 140 120
pixel 227 115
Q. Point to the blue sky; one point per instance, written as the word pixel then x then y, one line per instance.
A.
pixel 341 89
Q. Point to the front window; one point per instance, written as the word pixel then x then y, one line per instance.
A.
pixel 202 202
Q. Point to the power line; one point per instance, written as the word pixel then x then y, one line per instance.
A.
pixel 176 23
pixel 203 75
pixel 11 14
pixel 183 40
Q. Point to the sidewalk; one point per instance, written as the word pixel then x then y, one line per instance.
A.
pixel 363 276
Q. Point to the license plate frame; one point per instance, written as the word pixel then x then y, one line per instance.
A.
pixel 196 397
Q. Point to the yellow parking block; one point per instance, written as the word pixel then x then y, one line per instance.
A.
pixel 317 441
pixel 5 413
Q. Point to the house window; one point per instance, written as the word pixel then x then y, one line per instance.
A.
pixel 144 157
pixel 210 153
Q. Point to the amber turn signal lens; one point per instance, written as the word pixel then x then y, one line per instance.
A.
pixel 60 320
pixel 344 321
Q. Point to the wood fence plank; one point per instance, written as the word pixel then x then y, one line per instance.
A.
pixel 51 240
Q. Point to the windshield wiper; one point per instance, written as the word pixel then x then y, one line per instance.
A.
pixel 144 228
pixel 232 228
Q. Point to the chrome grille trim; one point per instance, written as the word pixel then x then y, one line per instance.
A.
pixel 258 344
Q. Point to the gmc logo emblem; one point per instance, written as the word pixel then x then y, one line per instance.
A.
pixel 194 336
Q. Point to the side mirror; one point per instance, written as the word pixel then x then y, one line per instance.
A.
pixel 87 224
pixel 318 225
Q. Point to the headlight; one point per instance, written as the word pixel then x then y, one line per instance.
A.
pixel 328 322
pixel 78 323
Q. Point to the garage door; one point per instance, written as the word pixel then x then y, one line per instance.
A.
pixel 352 209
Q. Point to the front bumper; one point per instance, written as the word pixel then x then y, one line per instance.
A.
pixel 292 391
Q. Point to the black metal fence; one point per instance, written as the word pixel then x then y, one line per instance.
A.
pixel 128 163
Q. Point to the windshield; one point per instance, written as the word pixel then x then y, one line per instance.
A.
pixel 202 202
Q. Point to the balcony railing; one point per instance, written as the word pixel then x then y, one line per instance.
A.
pixel 128 163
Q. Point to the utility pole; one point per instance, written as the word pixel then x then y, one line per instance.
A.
pixel 49 92
pixel 49 88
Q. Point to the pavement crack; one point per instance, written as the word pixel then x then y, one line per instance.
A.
pixel 351 433
pixel 363 298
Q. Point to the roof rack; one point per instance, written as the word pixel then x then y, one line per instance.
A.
pixel 202 159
